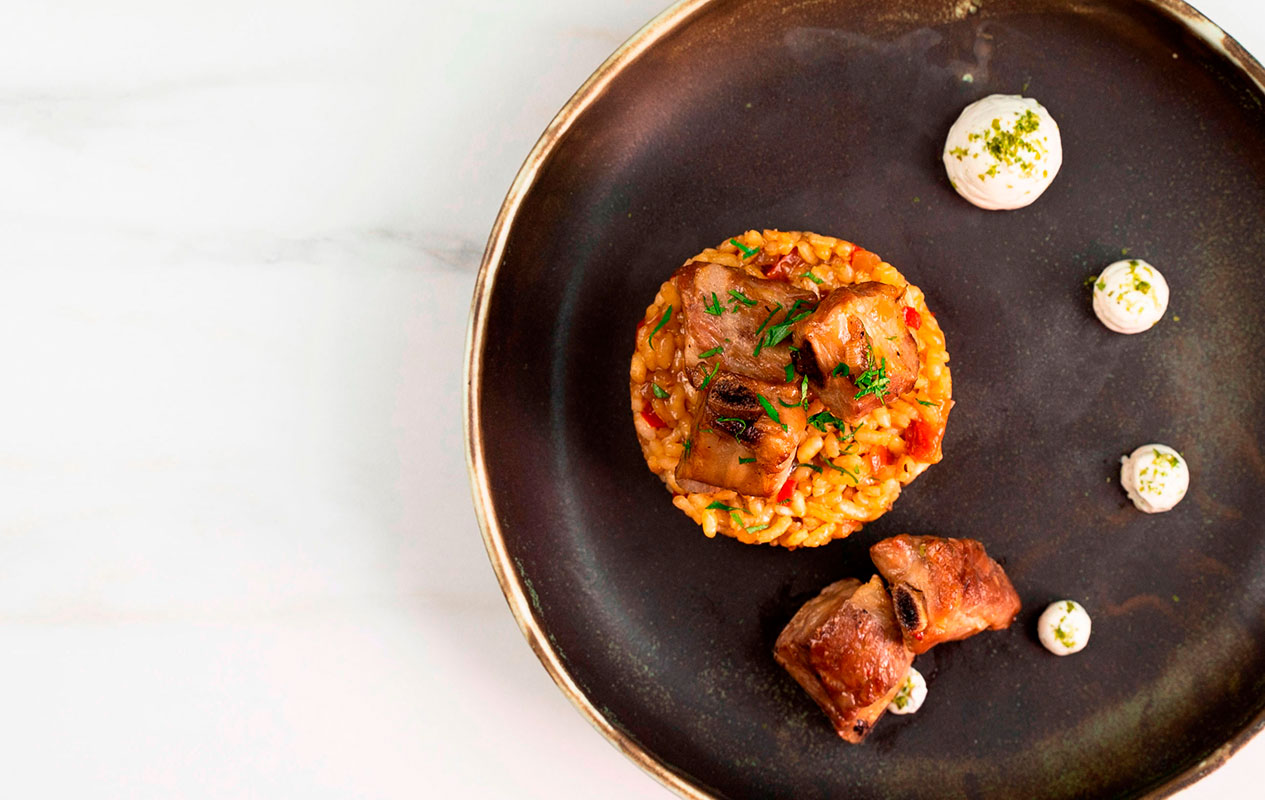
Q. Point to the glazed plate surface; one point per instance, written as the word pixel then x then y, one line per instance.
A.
pixel 830 117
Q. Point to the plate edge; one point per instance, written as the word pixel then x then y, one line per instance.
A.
pixel 508 578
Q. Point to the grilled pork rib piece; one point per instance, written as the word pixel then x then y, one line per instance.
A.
pixel 857 343
pixel 944 589
pixel 844 647
pixel 732 427
pixel 730 313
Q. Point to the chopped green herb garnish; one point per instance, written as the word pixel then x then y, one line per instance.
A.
pixel 779 331
pixel 790 372
pixel 737 519
pixel 770 410
pixel 768 319
pixel 716 504
pixel 712 352
pixel 1142 286
pixel 1011 147
pixel 926 403
pixel 689 445
pixel 747 252
pixel 714 307
pixel 741 298
pixel 851 477
pixel 803 392
pixel 746 460
pixel 840 369
pixel 710 375
pixel 785 404
pixel 823 418
pixel 742 423
pixel 874 380
pixel 813 467
pixel 659 391
pixel 755 528
pixel 813 278
pixel 667 315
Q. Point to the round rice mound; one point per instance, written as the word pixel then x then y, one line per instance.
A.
pixel 855 474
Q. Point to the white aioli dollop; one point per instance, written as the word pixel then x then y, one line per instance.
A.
pixel 1003 152
pixel 913 691
pixel 1155 476
pixel 1130 296
pixel 1064 628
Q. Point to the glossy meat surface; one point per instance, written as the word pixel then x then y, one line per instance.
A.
pixel 857 331
pixel 845 648
pixel 944 589
pixel 726 308
pixel 736 444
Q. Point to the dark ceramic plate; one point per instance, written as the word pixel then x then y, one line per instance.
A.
pixel 830 116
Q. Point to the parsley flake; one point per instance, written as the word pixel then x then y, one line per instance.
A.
pixel 823 418
pixel 659 391
pixel 710 375
pixel 747 252
pixel 742 423
pixel 837 468
pixel 778 332
pixel 770 410
pixel 767 320
pixel 712 352
pixel 667 315
pixel 874 381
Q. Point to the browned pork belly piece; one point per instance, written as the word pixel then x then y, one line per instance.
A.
pixel 733 315
pixel 944 589
pixel 856 350
pixel 844 647
pixel 743 437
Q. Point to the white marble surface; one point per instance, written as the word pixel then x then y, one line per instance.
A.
pixel 237 246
